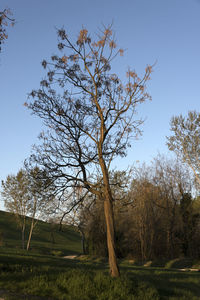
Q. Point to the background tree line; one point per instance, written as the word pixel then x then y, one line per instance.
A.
pixel 158 215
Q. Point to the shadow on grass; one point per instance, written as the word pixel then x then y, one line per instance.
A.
pixel 16 268
pixel 169 282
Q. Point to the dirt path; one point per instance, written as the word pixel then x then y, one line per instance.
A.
pixel 70 256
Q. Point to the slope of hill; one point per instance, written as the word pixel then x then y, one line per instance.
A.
pixel 46 238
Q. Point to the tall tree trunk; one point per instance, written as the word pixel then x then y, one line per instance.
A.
pixel 108 211
pixel 109 216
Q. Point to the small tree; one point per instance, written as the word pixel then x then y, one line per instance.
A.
pixel 90 114
pixel 27 194
pixel 185 141
pixel 16 198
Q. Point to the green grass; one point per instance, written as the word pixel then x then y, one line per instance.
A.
pixel 170 283
pixel 45 239
pixel 58 278
pixel 42 274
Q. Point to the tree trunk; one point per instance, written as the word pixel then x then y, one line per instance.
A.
pixel 30 234
pixel 109 217
pixel 83 242
pixel 108 211
pixel 32 223
pixel 82 239
pixel 23 231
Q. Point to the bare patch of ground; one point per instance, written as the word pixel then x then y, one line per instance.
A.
pixel 70 256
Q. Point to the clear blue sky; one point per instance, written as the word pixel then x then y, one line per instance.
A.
pixel 166 31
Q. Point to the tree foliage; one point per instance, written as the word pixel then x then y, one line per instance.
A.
pixel 27 194
pixel 16 198
pixel 185 141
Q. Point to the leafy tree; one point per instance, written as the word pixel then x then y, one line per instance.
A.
pixel 4 20
pixel 185 141
pixel 16 198
pixel 27 194
pixel 91 116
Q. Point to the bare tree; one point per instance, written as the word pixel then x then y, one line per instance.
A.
pixel 153 215
pixel 172 179
pixel 90 114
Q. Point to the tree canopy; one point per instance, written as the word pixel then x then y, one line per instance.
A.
pixel 185 141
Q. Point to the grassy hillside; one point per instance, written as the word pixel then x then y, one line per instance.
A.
pixel 46 238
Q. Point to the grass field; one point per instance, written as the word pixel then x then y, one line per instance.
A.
pixel 47 277
pixel 42 274
pixel 46 238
